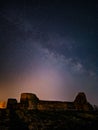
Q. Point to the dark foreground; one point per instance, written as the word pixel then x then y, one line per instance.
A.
pixel 47 120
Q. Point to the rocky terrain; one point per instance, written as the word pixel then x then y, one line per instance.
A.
pixel 47 120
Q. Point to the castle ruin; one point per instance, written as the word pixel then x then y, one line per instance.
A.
pixel 30 101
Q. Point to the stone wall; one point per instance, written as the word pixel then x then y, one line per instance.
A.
pixel 31 102
pixel 51 105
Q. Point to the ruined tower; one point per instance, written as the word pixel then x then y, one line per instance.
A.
pixel 12 103
pixel 29 101
pixel 81 102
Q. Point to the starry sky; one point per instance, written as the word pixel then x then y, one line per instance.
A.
pixel 49 47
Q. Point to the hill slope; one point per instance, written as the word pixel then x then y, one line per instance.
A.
pixel 47 120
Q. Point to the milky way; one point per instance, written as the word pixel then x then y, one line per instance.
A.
pixel 49 48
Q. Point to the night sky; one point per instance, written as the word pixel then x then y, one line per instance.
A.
pixel 50 48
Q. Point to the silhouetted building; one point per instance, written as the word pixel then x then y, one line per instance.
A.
pixel 81 102
pixel 31 102
pixel 12 103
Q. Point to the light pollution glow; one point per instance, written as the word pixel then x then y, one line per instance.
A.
pixel 48 48
pixel 51 79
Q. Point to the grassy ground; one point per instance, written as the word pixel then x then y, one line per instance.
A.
pixel 47 120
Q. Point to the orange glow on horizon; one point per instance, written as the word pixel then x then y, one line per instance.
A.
pixel 2 104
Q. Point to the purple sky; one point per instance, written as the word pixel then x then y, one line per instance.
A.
pixel 49 48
